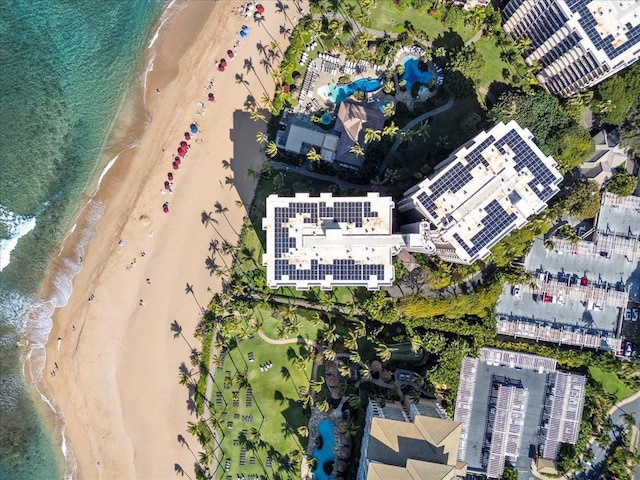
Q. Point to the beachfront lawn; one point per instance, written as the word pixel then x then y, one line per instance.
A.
pixel 493 66
pixel 611 383
pixel 265 428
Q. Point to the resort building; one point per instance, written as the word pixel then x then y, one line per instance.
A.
pixel 298 134
pixel 471 4
pixel 580 290
pixel 410 442
pixel 515 407
pixel 481 192
pixel 325 241
pixel 609 155
pixel 576 43
pixel 351 122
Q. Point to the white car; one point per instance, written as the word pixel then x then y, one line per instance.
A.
pixel 634 314
pixel 517 289
pixel 627 315
pixel 627 350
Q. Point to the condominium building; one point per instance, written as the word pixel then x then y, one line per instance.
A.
pixel 481 192
pixel 514 408
pixel 471 4
pixel 577 43
pixel 409 442
pixel 330 241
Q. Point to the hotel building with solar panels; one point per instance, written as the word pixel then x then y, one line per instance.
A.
pixel 480 193
pixel 325 241
pixel 577 43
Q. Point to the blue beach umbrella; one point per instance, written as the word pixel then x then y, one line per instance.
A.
pixel 243 34
pixel 194 128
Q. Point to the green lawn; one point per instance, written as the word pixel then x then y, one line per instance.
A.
pixel 275 409
pixel 388 18
pixel 492 71
pixel 611 383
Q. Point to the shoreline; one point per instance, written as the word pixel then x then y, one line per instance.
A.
pixel 132 211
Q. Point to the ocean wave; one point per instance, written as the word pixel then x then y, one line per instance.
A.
pixel 11 386
pixel 16 226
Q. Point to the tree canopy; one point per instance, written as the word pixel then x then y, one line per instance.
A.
pixel 617 95
pixel 584 200
pixel 622 183
pixel 554 128
pixel 630 132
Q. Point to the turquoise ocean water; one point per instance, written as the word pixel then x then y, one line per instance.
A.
pixel 69 68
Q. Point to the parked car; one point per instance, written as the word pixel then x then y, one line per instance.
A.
pixel 628 350
pixel 627 314
pixel 517 290
pixel 562 277
pixel 635 313
pixel 584 281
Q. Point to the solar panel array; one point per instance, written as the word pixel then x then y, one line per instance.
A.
pixel 339 269
pixel 495 222
pixel 525 157
pixel 456 178
pixel 588 23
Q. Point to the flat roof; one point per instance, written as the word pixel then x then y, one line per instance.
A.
pixel 327 241
pixel 485 189
pixel 524 405
pixel 327 143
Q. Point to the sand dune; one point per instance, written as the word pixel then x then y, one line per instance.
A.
pixel 117 382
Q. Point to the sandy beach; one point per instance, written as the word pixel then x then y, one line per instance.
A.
pixel 115 357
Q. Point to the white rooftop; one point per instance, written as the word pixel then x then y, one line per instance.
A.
pixel 327 241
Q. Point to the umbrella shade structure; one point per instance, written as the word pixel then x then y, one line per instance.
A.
pixel 386 376
pixel 193 127
pixel 331 367
pixel 167 185
pixel 211 97
pixel 336 394
pixel 175 166
pixel 182 152
pixel 187 136
pixel 170 176
pixel 183 143
pixel 221 68
pixel 259 8
pixel 332 381
pixel 165 208
pixel 177 158
pixel 230 53
pixel 376 366
pixel 243 34
pixel 177 161
pixel 223 62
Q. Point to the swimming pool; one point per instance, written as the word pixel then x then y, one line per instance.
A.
pixel 337 93
pixel 413 74
pixel 325 454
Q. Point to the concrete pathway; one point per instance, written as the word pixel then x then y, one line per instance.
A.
pixel 302 170
pixel 409 126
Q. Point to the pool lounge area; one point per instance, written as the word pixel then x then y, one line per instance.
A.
pixel 337 93
pixel 324 455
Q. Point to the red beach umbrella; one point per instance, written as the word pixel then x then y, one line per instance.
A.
pixel 212 97
pixel 167 186
pixel 221 67
pixel 230 53
pixel 165 208
pixel 183 143
pixel 259 8
pixel 223 62
pixel 176 158
pixel 182 152
pixel 187 136
pixel 175 166
pixel 177 162
pixel 170 176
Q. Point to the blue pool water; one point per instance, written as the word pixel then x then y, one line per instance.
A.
pixel 413 74
pixel 325 454
pixel 337 93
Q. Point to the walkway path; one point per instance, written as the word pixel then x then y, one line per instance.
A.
pixel 409 126
pixel 302 170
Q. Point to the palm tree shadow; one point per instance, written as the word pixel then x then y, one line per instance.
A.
pixel 180 471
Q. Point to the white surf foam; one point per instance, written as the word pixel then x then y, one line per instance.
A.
pixel 17 226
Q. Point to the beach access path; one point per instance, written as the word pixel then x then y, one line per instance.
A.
pixel 117 385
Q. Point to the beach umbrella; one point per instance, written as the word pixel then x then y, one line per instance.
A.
pixel 176 158
pixel 223 62
pixel 245 28
pixel 165 208
pixel 243 34
pixel 187 136
pixel 212 97
pixel 183 143
pixel 175 166
pixel 221 68
pixel 167 185
pixel 177 162
pixel 193 126
pixel 259 8
pixel 230 53
pixel 170 176
pixel 332 381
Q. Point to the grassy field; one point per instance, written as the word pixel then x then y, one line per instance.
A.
pixel 611 383
pixel 492 71
pixel 274 410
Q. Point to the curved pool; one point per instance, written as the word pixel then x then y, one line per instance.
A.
pixel 413 74
pixel 324 454
pixel 337 93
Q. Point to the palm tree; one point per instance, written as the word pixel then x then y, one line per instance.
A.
pixel 322 405
pixel 271 149
pixel 371 135
pixel 313 156
pixel 255 115
pixel 329 354
pixel 383 351
pixel 365 374
pixel 390 130
pixel 523 45
pixel 262 137
pixel 219 209
pixel 389 109
pixel 303 431
pixel 350 428
pixel 357 150
pixel 316 385
pixel 388 87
